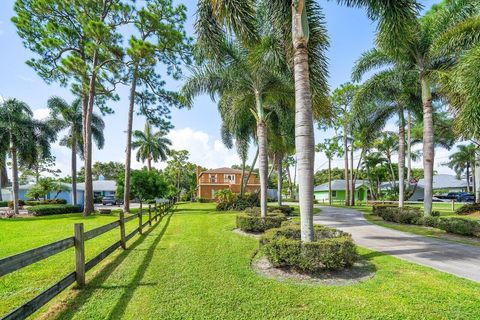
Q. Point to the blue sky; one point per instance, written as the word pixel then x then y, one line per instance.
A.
pixel 196 130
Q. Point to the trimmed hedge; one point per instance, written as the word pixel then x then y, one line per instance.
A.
pixel 3 204
pixel 49 209
pixel 468 209
pixel 332 249
pixel 407 215
pixel 250 221
pixel 456 225
pixel 459 225
pixel 286 210
pixel 43 202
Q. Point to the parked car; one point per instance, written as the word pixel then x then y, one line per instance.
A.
pixel 434 199
pixel 111 200
pixel 466 198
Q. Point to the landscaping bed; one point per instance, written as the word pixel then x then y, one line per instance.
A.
pixel 251 221
pixel 331 249
pixel 50 209
pixel 408 215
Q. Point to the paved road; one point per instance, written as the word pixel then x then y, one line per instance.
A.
pixel 455 258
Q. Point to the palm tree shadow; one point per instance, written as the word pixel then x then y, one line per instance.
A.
pixel 83 297
pixel 122 303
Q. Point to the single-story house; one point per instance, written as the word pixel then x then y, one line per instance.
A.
pixel 338 191
pixel 101 188
pixel 444 182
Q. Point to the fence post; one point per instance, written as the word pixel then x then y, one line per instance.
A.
pixel 79 254
pixel 123 243
pixel 156 211
pixel 150 215
pixel 453 204
pixel 140 221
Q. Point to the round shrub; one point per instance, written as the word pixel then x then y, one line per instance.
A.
pixel 407 215
pixel 286 210
pixel 431 221
pixel 3 204
pixel 331 249
pixel 253 222
pixel 468 209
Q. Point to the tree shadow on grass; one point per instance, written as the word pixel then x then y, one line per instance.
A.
pixel 72 306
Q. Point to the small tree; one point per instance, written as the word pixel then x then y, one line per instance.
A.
pixel 331 149
pixel 144 185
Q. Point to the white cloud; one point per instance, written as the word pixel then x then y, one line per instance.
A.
pixel 203 151
pixel 41 114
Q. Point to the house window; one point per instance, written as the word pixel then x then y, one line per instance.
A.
pixel 229 178
pixel 213 178
pixel 334 193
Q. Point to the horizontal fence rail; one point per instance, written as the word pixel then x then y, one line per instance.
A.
pixel 21 260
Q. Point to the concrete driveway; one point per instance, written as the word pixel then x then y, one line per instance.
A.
pixel 459 259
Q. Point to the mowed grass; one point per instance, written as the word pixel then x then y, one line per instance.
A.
pixel 192 266
pixel 21 234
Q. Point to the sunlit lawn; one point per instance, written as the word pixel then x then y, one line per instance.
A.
pixel 192 266
pixel 21 234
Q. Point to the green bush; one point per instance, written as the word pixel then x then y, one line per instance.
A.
pixel 202 200
pixel 227 200
pixel 331 249
pixel 253 222
pixel 286 210
pixel 458 225
pixel 431 221
pixel 49 209
pixel 47 201
pixel 407 215
pixel 3 204
pixel 376 208
pixel 435 213
pixel 468 209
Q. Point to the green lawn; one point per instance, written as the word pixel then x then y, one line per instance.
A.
pixel 21 234
pixel 192 266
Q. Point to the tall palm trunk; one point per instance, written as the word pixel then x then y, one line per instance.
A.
pixel 149 163
pixel 428 145
pixel 401 158
pixel 262 153
pixel 13 153
pixel 88 198
pixel 352 184
pixel 330 181
pixel 242 177
pixel 304 139
pixel 468 176
pixel 477 175
pixel 345 157
pixel 74 168
pixel 409 149
pixel 2 166
pixel 263 165
pixel 290 183
pixel 128 150
pixel 244 183
pixel 279 178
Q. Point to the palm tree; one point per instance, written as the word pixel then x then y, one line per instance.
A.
pixel 302 22
pixel 151 145
pixel 392 92
pixel 65 116
pixel 245 82
pixel 331 149
pixel 412 51
pixel 25 137
pixel 464 161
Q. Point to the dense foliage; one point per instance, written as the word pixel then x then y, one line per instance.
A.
pixel 145 184
pixel 252 221
pixel 331 249
pixel 49 209
pixel 227 200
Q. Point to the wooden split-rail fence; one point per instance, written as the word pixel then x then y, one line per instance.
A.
pixel 21 260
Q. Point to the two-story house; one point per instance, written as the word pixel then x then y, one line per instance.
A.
pixel 210 181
